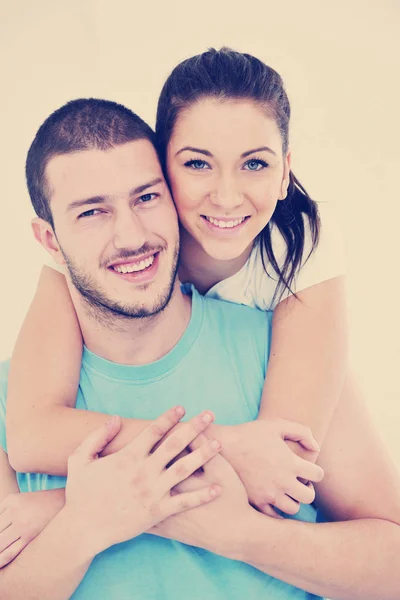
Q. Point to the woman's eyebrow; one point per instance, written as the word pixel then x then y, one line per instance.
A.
pixel 260 149
pixel 192 149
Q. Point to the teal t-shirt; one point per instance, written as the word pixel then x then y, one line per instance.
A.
pixel 219 364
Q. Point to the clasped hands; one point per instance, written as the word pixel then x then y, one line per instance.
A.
pixel 152 484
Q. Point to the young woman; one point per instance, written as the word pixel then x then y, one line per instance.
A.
pixel 249 234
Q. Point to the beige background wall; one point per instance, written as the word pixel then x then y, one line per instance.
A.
pixel 340 63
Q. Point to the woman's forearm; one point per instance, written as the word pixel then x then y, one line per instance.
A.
pixel 52 434
pixel 51 566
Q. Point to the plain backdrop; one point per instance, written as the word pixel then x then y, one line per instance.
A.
pixel 340 63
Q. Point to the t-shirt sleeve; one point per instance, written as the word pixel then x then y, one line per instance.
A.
pixel 4 368
pixel 327 259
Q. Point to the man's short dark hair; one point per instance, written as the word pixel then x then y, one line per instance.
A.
pixel 83 124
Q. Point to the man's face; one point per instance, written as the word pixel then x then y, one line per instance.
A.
pixel 116 227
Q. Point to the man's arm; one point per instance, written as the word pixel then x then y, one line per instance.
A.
pixel 355 559
pixel 359 557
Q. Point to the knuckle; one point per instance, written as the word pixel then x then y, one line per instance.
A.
pixel 156 431
pixel 173 444
pixel 184 503
pixel 138 479
pixel 181 469
pixel 144 494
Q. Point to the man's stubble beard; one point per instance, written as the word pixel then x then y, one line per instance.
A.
pixel 109 312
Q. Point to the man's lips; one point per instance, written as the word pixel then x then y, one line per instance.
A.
pixel 134 265
pixel 131 260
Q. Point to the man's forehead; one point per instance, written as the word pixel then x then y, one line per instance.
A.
pixel 95 172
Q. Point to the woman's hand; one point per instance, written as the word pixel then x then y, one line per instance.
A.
pixel 23 517
pixel 270 470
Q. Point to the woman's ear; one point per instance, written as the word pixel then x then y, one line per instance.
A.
pixel 286 176
pixel 44 234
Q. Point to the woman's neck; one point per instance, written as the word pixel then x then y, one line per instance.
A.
pixel 201 269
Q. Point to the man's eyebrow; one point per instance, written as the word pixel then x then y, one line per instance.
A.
pixel 87 201
pixel 103 199
pixel 260 149
pixel 192 149
pixel 142 188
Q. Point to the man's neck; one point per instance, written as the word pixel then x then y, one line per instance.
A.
pixel 135 341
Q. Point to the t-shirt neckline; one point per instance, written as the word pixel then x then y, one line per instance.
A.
pixel 165 364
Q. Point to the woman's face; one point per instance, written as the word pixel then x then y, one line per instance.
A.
pixel 227 172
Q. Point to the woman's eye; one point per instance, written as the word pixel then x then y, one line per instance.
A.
pixel 89 213
pixel 197 165
pixel 147 197
pixel 255 164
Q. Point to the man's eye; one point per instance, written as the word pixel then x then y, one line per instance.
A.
pixel 255 164
pixel 197 165
pixel 89 213
pixel 147 197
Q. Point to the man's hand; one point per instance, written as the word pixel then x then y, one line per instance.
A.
pixel 212 526
pixel 120 496
pixel 23 517
pixel 269 469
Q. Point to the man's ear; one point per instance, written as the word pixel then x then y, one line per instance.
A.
pixel 286 176
pixel 44 233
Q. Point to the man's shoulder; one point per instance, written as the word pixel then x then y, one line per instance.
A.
pixel 4 371
pixel 253 317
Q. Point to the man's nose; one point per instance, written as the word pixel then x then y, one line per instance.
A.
pixel 129 231
pixel 226 195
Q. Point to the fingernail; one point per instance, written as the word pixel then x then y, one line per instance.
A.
pixel 207 417
pixel 180 411
pixel 214 491
pixel 216 445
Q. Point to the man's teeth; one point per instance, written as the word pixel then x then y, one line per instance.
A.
pixel 133 267
pixel 225 224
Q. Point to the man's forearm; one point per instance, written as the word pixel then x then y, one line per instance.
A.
pixel 352 560
pixel 51 566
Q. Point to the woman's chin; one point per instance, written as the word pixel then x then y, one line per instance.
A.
pixel 227 251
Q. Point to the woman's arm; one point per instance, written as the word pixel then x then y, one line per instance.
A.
pixel 308 358
pixel 42 427
pixel 305 375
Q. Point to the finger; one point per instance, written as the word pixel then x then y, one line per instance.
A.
pixel 12 552
pixel 296 432
pixel 181 438
pixel 188 500
pixel 187 465
pixel 269 510
pixel 309 471
pixel 305 494
pixel 287 505
pixel 151 435
pixel 98 440
pixel 8 537
pixel 5 521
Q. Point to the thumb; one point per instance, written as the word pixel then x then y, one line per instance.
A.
pixel 99 438
pixel 296 432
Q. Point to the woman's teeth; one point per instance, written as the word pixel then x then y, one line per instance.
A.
pixel 138 266
pixel 225 224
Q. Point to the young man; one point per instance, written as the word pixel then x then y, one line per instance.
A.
pixel 111 220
